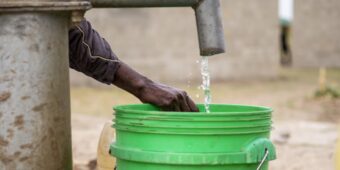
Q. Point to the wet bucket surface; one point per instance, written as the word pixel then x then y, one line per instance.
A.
pixel 234 137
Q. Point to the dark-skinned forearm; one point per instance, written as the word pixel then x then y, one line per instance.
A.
pixel 147 91
pixel 129 80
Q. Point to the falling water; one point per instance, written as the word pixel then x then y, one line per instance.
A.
pixel 206 82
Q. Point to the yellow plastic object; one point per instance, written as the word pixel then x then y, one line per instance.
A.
pixel 104 160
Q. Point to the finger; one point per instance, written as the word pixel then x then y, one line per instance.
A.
pixel 175 104
pixel 183 103
pixel 177 107
pixel 167 106
pixel 192 104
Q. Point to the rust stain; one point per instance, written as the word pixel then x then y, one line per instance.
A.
pixel 6 160
pixel 51 132
pixel 49 46
pixel 20 27
pixel 24 158
pixel 10 133
pixel 39 107
pixel 3 142
pixel 43 139
pixel 5 96
pixel 17 154
pixel 34 47
pixel 4 79
pixel 26 146
pixel 54 145
pixel 19 122
pixel 53 142
pixel 25 97
pixel 56 119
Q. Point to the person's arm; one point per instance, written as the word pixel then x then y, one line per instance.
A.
pixel 168 98
pixel 92 55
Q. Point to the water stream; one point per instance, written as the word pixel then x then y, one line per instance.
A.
pixel 206 82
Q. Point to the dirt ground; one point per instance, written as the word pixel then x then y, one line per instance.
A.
pixel 305 128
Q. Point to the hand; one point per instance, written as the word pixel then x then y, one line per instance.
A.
pixel 167 98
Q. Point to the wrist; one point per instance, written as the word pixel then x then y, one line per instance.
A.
pixel 132 82
pixel 141 86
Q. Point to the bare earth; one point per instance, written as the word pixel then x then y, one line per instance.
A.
pixel 305 128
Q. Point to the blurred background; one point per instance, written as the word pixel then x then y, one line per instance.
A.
pixel 281 54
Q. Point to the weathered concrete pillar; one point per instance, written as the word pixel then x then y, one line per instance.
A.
pixel 35 131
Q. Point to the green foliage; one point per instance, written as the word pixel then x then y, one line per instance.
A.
pixel 328 91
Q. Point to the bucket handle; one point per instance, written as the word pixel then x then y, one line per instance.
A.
pixel 263 159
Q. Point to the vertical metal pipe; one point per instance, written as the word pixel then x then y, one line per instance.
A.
pixel 210 27
pixel 35 132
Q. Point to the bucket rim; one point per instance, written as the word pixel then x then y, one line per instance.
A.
pixel 125 108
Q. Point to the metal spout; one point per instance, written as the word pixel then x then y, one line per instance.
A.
pixel 210 27
pixel 208 18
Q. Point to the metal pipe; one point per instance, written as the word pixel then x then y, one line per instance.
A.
pixel 14 6
pixel 208 18
pixel 142 3
pixel 209 27
pixel 35 124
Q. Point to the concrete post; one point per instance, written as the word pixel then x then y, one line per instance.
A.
pixel 35 130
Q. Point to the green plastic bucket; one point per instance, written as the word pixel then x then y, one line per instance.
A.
pixel 231 137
